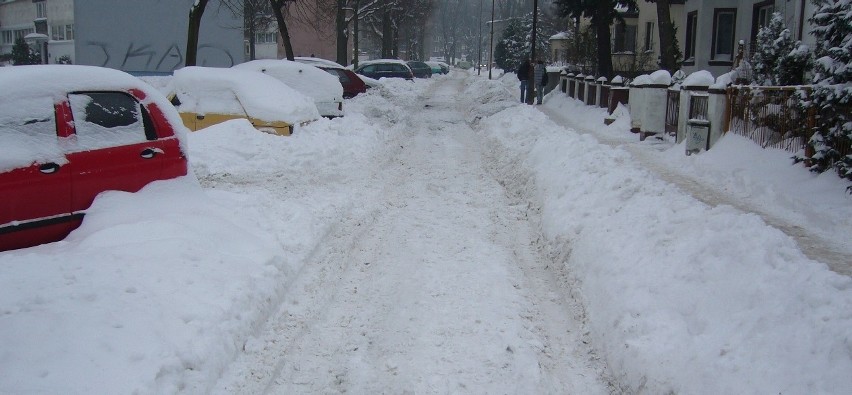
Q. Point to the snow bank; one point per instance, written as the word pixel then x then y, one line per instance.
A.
pixel 733 299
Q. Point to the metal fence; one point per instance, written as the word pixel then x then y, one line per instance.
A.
pixel 672 111
pixel 771 116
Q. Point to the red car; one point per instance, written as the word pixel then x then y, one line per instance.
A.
pixel 352 84
pixel 68 133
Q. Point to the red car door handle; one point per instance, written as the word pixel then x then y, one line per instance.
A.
pixel 48 168
pixel 149 153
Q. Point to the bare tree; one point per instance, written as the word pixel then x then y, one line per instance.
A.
pixel 195 13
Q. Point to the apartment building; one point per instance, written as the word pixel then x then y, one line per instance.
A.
pixel 54 19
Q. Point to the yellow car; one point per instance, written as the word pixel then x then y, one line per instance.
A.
pixel 206 96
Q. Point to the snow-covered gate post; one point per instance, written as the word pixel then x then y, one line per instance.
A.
pixel 571 84
pixel 637 102
pixel 603 93
pixel 563 81
pixel 618 94
pixel 696 83
pixel 581 87
pixel 654 108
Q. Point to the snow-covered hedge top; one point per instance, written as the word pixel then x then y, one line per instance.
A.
pixel 214 90
pixel 617 80
pixel 309 80
pixel 661 77
pixel 560 36
pixel 554 69
pixel 699 78
pixel 27 118
pixel 724 80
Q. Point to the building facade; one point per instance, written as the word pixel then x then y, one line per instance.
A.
pixel 714 29
pixel 52 18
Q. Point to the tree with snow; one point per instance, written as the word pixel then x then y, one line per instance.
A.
pixel 778 59
pixel 514 46
pixel 22 54
pixel 832 89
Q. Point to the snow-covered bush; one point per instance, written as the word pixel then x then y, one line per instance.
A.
pixel 832 90
pixel 778 59
pixel 514 46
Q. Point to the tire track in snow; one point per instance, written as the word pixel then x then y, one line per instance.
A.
pixel 433 285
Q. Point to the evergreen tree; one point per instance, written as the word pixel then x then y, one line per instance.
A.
pixel 514 46
pixel 22 54
pixel 778 59
pixel 832 86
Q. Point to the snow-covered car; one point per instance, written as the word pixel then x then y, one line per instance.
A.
pixel 206 96
pixel 351 82
pixel 420 69
pixel 324 88
pixel 385 68
pixel 439 67
pixel 68 133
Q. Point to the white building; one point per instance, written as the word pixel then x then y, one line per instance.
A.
pixel 713 29
pixel 53 18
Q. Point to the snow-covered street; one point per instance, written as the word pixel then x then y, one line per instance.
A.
pixel 443 239
pixel 432 285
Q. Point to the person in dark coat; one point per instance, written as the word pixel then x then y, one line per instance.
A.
pixel 524 76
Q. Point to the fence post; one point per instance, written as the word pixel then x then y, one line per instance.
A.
pixel 581 88
pixel 637 103
pixel 688 89
pixel 571 84
pixel 618 93
pixel 563 81
pixel 591 90
pixel 655 94
pixel 603 93
pixel 717 105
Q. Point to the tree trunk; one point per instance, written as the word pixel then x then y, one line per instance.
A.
pixel 195 14
pixel 277 5
pixel 342 36
pixel 668 59
pixel 355 49
pixel 603 39
pixel 251 27
pixel 387 33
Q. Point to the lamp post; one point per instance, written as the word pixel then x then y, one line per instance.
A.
pixel 38 40
pixel 531 85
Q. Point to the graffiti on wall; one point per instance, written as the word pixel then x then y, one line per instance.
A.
pixel 149 57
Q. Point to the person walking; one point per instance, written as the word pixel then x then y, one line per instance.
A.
pixel 523 76
pixel 538 77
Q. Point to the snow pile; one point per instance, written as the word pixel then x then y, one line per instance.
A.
pixel 699 78
pixel 676 283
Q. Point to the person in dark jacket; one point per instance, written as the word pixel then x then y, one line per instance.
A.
pixel 524 76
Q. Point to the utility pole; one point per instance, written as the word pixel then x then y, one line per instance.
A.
pixel 491 45
pixel 479 42
pixel 531 83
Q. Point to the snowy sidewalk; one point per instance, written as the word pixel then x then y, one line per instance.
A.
pixel 814 210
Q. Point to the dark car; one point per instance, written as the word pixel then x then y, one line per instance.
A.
pixel 385 68
pixel 352 84
pixel 70 133
pixel 420 69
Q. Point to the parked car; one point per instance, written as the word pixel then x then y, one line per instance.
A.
pixel 420 69
pixel 384 68
pixel 352 84
pixel 206 96
pixel 439 67
pixel 317 84
pixel 68 133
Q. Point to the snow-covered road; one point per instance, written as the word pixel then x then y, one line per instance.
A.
pixel 395 301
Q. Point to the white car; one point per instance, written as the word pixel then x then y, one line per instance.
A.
pixel 311 81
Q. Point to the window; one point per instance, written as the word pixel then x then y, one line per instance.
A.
pixel 21 33
pixel 649 37
pixel 625 38
pixel 724 22
pixel 265 38
pixel 761 16
pixel 62 32
pixel 7 37
pixel 41 9
pixel 691 30
pixel 105 119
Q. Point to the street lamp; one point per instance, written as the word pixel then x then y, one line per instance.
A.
pixel 38 40
pixel 479 43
